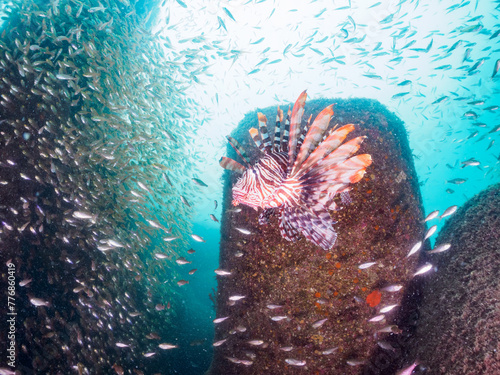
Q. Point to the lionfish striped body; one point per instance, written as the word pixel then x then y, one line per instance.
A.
pixel 300 173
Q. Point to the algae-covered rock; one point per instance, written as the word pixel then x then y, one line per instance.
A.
pixel 308 284
pixel 458 328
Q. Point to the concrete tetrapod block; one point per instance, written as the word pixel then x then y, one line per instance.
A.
pixel 308 283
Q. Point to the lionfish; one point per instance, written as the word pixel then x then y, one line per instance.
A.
pixel 300 173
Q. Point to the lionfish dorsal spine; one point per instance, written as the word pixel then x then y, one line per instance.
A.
pixel 286 131
pixel 314 136
pixel 254 133
pixel 231 165
pixel 295 122
pixel 303 133
pixel 277 131
pixel 239 150
pixel 266 140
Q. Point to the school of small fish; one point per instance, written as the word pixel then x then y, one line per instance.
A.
pixel 99 174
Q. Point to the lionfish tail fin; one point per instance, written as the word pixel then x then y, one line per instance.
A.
pixel 295 122
pixel 314 136
pixel 264 132
pixel 231 165
pixel 239 150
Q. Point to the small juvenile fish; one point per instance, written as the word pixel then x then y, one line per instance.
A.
pixel 170 239
pixel 236 298
pixel 167 179
pixel 430 232
pixel 219 343
pixel 295 362
pixel 272 307
pixel 167 346
pixel 185 201
pixel 150 354
pixel 122 345
pixel 243 230
pixel 432 215
pixel 197 238
pixel 182 261
pixel 199 182
pixel 495 69
pixel 214 218
pixel 25 282
pixel 377 318
pixel 83 215
pixel 39 302
pixel 440 248
pixel 143 187
pixel 415 248
pixel 457 181
pixel 355 362
pixel 255 342
pixel 286 348
pixel 319 323
pixel 193 271
pixel 407 370
pixel 161 256
pixel 222 272
pixel 392 288
pixel 385 345
pixel 386 309
pixel 182 282
pixel 425 268
pixel 366 265
pixel 329 351
pixel 215 205
pixel 219 320
pixel 389 329
pixel 449 211
pixel 278 318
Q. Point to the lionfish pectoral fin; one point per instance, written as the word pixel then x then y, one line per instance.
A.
pixel 288 232
pixel 345 197
pixel 314 136
pixel 231 165
pixel 315 225
pixel 265 215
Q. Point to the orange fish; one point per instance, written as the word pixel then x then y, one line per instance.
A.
pixel 373 299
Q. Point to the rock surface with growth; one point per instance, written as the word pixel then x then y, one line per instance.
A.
pixel 458 328
pixel 310 284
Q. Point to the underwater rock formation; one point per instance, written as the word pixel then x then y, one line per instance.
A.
pixel 458 328
pixel 307 284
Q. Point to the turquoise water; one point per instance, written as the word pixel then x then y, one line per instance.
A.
pixel 186 74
